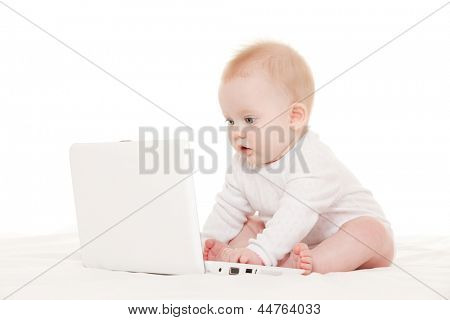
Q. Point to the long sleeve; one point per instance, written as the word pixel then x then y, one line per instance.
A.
pixel 230 210
pixel 305 197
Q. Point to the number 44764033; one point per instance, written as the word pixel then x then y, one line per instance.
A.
pixel 279 308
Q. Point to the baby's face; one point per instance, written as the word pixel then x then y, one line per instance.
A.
pixel 253 107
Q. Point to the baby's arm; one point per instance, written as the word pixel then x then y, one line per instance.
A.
pixel 304 198
pixel 229 212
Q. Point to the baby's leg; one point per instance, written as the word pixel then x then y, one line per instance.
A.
pixel 361 243
pixel 251 228
pixel 217 251
pixel 299 258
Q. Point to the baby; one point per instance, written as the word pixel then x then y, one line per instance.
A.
pixel 287 201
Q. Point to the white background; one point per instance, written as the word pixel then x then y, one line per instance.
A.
pixel 386 119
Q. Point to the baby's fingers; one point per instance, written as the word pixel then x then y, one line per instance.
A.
pixel 226 253
pixel 244 259
pixel 235 256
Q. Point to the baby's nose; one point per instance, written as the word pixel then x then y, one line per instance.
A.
pixel 238 132
pixel 241 132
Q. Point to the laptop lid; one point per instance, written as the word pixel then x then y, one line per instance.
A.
pixel 136 208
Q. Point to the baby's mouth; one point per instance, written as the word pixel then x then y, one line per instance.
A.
pixel 245 150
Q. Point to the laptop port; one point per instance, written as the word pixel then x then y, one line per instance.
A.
pixel 248 270
pixel 233 271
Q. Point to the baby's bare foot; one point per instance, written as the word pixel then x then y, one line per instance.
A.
pixel 216 251
pixel 299 258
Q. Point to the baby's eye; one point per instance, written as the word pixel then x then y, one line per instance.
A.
pixel 249 120
pixel 229 122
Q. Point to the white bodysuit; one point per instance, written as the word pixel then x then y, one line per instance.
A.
pixel 303 197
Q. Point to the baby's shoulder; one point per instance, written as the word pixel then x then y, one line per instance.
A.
pixel 310 157
pixel 315 151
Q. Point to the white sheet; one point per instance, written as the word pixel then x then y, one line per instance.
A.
pixel 21 259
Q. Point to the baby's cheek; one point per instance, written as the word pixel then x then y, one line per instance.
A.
pixel 258 141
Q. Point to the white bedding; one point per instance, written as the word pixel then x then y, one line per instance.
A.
pixel 21 259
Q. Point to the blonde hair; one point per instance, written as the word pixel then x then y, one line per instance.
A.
pixel 282 64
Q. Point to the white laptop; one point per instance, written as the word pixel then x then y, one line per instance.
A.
pixel 136 211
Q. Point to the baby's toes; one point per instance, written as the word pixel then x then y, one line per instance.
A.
pixel 209 243
pixel 302 257
pixel 206 250
pixel 300 247
pixel 206 255
pixel 295 258
pixel 305 263
pixel 305 253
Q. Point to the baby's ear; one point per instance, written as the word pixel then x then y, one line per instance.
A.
pixel 298 116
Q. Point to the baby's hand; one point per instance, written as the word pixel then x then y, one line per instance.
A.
pixel 244 255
